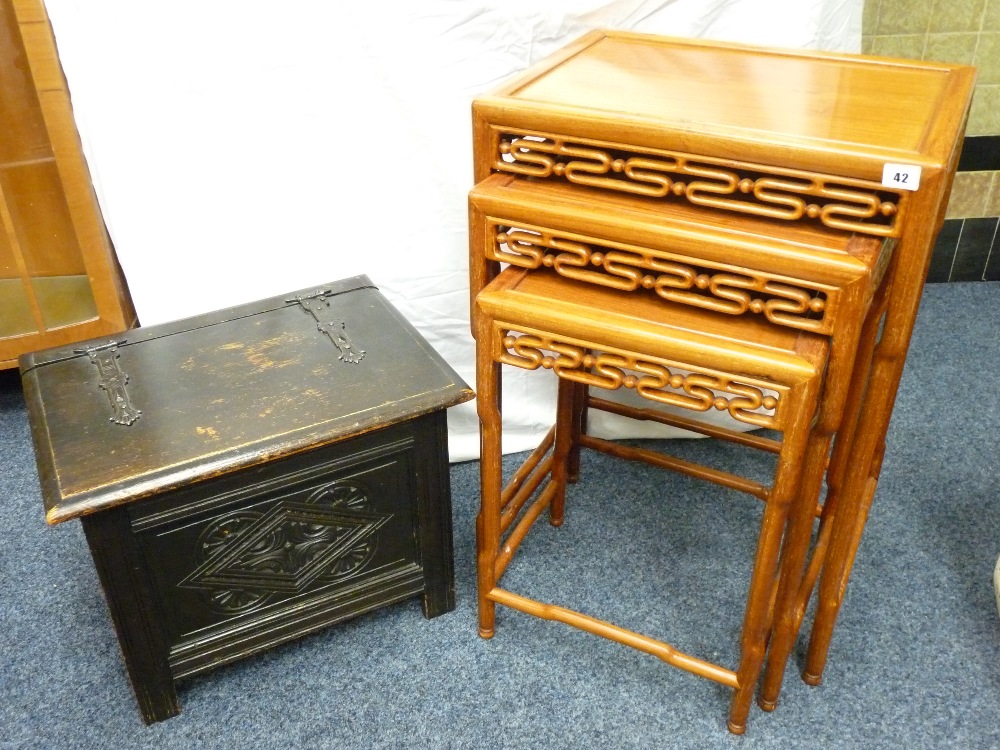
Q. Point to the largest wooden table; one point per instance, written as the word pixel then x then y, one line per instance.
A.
pixel 857 144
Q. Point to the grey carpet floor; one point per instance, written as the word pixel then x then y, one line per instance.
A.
pixel 915 661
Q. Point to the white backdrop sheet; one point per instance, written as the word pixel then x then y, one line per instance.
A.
pixel 241 150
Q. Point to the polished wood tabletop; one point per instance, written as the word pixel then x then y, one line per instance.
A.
pixel 826 104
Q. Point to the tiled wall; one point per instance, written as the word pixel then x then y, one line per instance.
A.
pixel 961 31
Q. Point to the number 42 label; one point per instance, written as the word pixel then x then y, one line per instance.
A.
pixel 901 176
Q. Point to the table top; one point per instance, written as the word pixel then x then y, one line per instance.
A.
pixel 118 419
pixel 902 110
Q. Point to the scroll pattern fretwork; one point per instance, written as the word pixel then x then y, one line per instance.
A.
pixel 665 382
pixel 629 268
pixel 848 204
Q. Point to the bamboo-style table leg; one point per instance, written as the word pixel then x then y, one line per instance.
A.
pixel 783 499
pixel 567 421
pixel 863 463
pixel 797 579
pixel 856 496
pixel 488 405
pixel 580 393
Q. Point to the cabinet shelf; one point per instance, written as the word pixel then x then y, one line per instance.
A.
pixel 59 279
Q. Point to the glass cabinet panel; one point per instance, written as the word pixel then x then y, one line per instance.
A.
pixel 17 316
pixel 47 242
pixel 44 281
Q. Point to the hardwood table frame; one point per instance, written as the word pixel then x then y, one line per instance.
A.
pixel 766 377
pixel 822 141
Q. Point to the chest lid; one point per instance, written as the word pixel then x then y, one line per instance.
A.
pixel 121 418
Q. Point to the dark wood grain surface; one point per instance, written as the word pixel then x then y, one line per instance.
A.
pixel 225 391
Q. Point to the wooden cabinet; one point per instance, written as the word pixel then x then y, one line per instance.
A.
pixel 59 280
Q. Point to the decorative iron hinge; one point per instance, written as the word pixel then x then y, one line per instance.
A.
pixel 112 380
pixel 317 304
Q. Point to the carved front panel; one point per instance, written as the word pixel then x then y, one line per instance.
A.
pixel 250 557
pixel 786 302
pixel 848 204
pixel 747 400
pixel 249 554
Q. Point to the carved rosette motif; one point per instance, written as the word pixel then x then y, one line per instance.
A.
pixel 247 557
pixel 629 268
pixel 844 203
pixel 667 383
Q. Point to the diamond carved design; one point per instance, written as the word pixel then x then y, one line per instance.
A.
pixel 249 556
pixel 286 549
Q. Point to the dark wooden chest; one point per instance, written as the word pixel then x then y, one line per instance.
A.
pixel 248 476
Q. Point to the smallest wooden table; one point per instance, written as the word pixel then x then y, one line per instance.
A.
pixel 248 476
